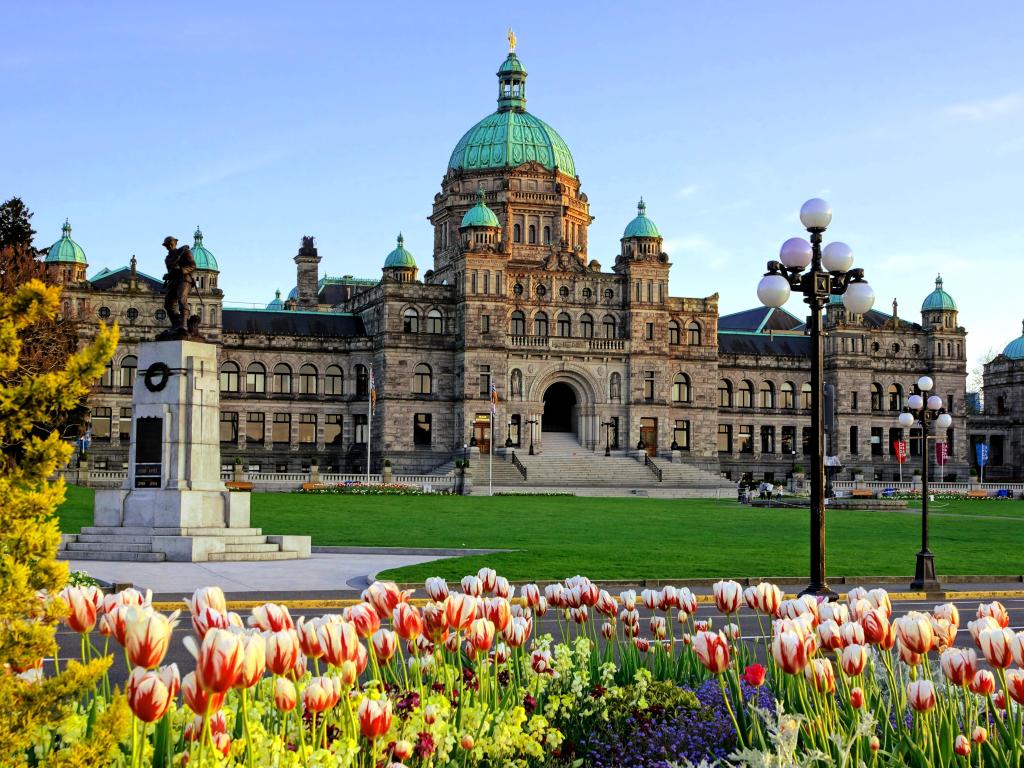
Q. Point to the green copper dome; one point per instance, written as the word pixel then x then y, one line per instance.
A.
pixel 400 257
pixel 480 215
pixel 276 303
pixel 511 136
pixel 1015 349
pixel 641 226
pixel 938 299
pixel 204 259
pixel 66 250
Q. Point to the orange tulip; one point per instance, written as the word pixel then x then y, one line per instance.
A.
pixel 271 617
pixel 207 597
pixel 1015 684
pixel 254 660
pixel 996 611
pixel 407 620
pixel 979 735
pixel 338 640
pixel 944 634
pixel 282 651
pixel 961 745
pixel 374 718
pixel 309 638
pixel 908 656
pixel 150 692
pixel 83 607
pixel 198 698
pixel 712 650
pixel 218 660
pixel 498 610
pixel 921 695
pixel 467 742
pixel 321 693
pixel 284 694
pixel 147 635
pixel 364 618
pixel 481 634
pixel 384 596
pixel 819 672
pixel 385 643
pixel 984 683
pixel 460 610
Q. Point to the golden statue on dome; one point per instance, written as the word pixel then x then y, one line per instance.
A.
pixel 511 41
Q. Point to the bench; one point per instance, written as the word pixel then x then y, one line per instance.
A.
pixel 238 485
pixel 313 486
pixel 862 493
pixel 977 494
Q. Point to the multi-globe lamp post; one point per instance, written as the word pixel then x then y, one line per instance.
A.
pixel 923 412
pixel 828 273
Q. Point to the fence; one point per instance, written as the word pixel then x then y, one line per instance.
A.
pixel 933 487
pixel 269 481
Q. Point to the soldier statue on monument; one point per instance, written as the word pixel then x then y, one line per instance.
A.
pixel 178 282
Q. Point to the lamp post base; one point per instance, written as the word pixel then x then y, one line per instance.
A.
pixel 924 573
pixel 819 590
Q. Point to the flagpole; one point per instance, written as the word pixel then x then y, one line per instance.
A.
pixel 369 432
pixel 490 458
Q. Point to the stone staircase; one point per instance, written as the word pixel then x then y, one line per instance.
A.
pixel 149 545
pixel 565 464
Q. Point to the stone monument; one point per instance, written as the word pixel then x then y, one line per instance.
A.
pixel 173 504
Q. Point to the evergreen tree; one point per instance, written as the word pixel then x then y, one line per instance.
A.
pixel 15 224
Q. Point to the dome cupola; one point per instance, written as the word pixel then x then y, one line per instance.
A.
pixel 641 226
pixel 1015 349
pixel 66 250
pixel 203 258
pixel 480 215
pixel 400 264
pixel 276 304
pixel 938 299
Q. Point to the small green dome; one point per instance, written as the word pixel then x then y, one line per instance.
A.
pixel 641 226
pixel 1015 349
pixel 938 299
pixel 276 303
pixel 400 257
pixel 66 250
pixel 204 259
pixel 480 215
pixel 511 65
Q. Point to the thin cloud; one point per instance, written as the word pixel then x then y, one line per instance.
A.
pixel 984 110
pixel 688 191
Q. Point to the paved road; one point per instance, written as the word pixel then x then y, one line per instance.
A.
pixel 69 641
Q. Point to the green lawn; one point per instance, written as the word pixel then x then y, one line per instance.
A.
pixel 626 538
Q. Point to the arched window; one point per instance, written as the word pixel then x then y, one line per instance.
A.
pixel 517 233
pixel 307 380
pixel 681 388
pixel 334 381
pixel 788 395
pixel 435 322
pixel 130 364
pixel 693 334
pixel 673 332
pixel 895 397
pixel 533 234
pixel 229 377
pixel 282 379
pixel 609 327
pixel 256 379
pixel 518 323
pixel 805 396
pixel 362 381
pixel 107 379
pixel 540 324
pixel 564 325
pixel 725 394
pixel 516 383
pixel 587 326
pixel 411 321
pixel 767 394
pixel 615 387
pixel 746 394
pixel 547 235
pixel 876 397
pixel 422 381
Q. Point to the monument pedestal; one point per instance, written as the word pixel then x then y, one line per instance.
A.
pixel 173 504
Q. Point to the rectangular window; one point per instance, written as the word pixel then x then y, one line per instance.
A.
pixel 949 403
pixel 333 424
pixel 487 282
pixel 255 379
pixel 229 427
pixel 107 380
pixel 949 442
pixel 767 439
pixel 650 292
pixel 649 332
pixel 472 288
pixel 681 435
pixel 915 442
pixel 307 428
pixel 101 423
pixel 789 440
pixel 515 429
pixel 125 429
pixel 876 441
pixel 255 428
pixel 282 432
pixel 746 438
pixel 485 324
pixel 853 401
pixel 854 449
pixel 485 380
pixel 807 441
pixel 639 289
pixel 359 425
pixel 648 385
pixel 725 438
pixel 497 282
pixel 421 429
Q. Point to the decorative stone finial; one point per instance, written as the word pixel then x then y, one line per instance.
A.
pixel 641 207
pixel 938 282
pixel 401 240
pixel 198 234
pixel 511 41
pixel 66 229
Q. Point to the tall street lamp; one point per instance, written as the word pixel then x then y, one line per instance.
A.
pixel 923 412
pixel 532 423
pixel 828 273
pixel 607 437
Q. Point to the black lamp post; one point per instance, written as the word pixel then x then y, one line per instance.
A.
pixel 923 412
pixel 607 437
pixel 532 423
pixel 828 273
pixel 508 435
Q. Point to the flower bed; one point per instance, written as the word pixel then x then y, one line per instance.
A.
pixel 463 678
pixel 372 489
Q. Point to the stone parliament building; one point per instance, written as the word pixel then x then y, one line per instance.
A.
pixel 604 354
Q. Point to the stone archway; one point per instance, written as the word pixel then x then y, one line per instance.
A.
pixel 559 408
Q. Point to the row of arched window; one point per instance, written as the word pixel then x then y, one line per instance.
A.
pixel 432 323
pixel 743 395
pixel 531 234
pixel 563 325
pixel 283 381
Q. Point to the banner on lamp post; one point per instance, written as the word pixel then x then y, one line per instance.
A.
pixel 899 449
pixel 941 453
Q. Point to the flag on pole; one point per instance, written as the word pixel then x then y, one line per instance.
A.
pixel 900 449
pixel 981 449
pixel 494 399
pixel 941 453
pixel 373 393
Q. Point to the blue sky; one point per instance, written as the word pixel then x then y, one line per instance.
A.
pixel 262 122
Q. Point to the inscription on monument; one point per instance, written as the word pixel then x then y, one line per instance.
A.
pixel 148 452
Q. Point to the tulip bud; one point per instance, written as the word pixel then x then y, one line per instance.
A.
pixel 875 744
pixel 282 651
pixel 83 605
pixel 856 698
pixel 979 735
pixel 284 694
pixel 437 588
pixel 349 674
pixel 1015 684
pixel 254 660
pixel 481 634
pixel 754 675
pixel 467 742
pixel 207 597
pixel 728 595
pixel 921 695
pixel 853 659
pixel 984 683
pixel 961 745
pixel 712 651
pixel 403 749
pixel 374 717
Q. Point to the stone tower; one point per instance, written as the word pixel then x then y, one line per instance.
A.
pixel 307 277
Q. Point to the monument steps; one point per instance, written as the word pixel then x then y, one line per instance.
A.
pixel 256 547
pixel 221 557
pixel 122 546
pixel 107 554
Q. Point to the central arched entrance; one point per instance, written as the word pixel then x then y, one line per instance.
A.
pixel 559 408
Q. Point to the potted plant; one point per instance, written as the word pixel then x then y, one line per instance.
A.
pixel 387 475
pixel 237 473
pixel 314 470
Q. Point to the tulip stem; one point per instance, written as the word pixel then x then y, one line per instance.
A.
pixel 728 706
pixel 245 727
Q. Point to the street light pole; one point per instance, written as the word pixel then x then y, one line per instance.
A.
pixel 607 437
pixel 923 412
pixel 532 423
pixel 830 274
